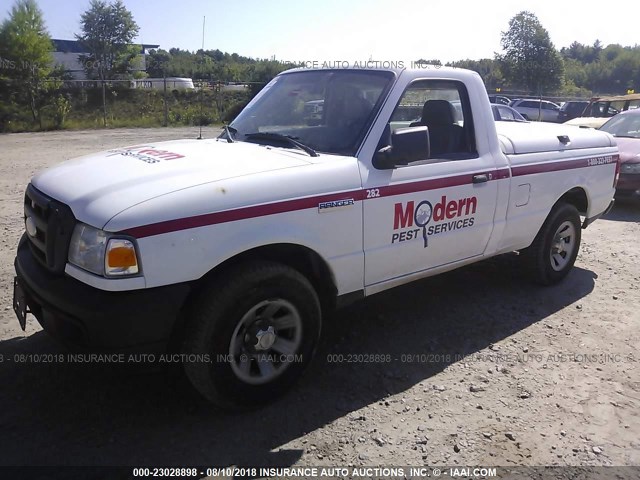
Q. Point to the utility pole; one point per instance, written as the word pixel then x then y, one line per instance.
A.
pixel 166 108
pixel 104 104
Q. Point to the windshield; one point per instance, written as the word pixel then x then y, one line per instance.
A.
pixel 327 110
pixel 603 109
pixel 623 126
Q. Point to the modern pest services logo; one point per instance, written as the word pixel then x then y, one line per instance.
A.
pixel 444 216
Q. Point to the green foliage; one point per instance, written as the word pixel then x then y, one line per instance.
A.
pixel 62 107
pixel 488 69
pixel 157 63
pixel 434 61
pixel 25 51
pixel 212 65
pixel 613 69
pixel 107 33
pixel 570 89
pixel 582 53
pixel 530 59
pixel 82 108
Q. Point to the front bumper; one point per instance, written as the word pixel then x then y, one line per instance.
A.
pixel 88 318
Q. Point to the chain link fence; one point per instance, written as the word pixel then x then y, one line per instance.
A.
pixel 55 104
pixel 150 102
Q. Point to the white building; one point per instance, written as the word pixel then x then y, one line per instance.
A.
pixel 67 53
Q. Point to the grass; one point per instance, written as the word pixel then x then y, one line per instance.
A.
pixel 130 109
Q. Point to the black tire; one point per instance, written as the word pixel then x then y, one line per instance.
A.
pixel 233 307
pixel 546 260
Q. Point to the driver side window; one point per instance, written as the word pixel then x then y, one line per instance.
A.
pixel 443 107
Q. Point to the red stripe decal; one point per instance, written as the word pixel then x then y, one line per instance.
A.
pixel 424 185
pixel 312 202
pixel 564 165
pixel 549 167
pixel 238 214
pixel 503 173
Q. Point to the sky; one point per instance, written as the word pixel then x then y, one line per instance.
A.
pixel 354 30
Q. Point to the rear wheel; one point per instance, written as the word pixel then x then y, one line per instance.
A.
pixel 251 334
pixel 553 252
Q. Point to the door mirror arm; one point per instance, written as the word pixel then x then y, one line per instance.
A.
pixel 383 158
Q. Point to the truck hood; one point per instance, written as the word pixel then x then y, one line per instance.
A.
pixel 99 186
pixel 533 137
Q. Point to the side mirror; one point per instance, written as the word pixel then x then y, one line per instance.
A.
pixel 407 145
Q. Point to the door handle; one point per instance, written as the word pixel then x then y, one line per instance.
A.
pixel 482 178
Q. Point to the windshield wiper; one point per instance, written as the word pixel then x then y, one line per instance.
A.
pixel 284 138
pixel 229 131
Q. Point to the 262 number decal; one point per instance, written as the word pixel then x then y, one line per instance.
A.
pixel 373 193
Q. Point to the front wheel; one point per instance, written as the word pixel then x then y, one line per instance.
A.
pixel 554 250
pixel 251 334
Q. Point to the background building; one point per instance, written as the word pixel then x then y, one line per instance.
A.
pixel 67 53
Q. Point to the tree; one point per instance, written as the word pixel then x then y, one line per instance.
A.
pixel 530 59
pixel 487 68
pixel 107 33
pixel 575 72
pixel 626 71
pixel 422 61
pixel 25 49
pixel 157 63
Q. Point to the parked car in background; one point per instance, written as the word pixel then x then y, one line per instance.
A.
pixel 625 127
pixel 499 99
pixel 501 113
pixel 571 109
pixel 600 109
pixel 534 109
pixel 504 113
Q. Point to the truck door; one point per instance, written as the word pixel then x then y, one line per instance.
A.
pixel 433 212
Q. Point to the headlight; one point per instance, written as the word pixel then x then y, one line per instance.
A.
pixel 86 249
pixel 92 249
pixel 630 168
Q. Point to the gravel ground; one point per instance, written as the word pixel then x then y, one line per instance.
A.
pixel 485 369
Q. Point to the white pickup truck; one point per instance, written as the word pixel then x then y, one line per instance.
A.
pixel 331 185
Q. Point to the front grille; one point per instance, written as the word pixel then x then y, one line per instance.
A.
pixel 54 223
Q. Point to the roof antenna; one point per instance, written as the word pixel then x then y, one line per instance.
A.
pixel 201 84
